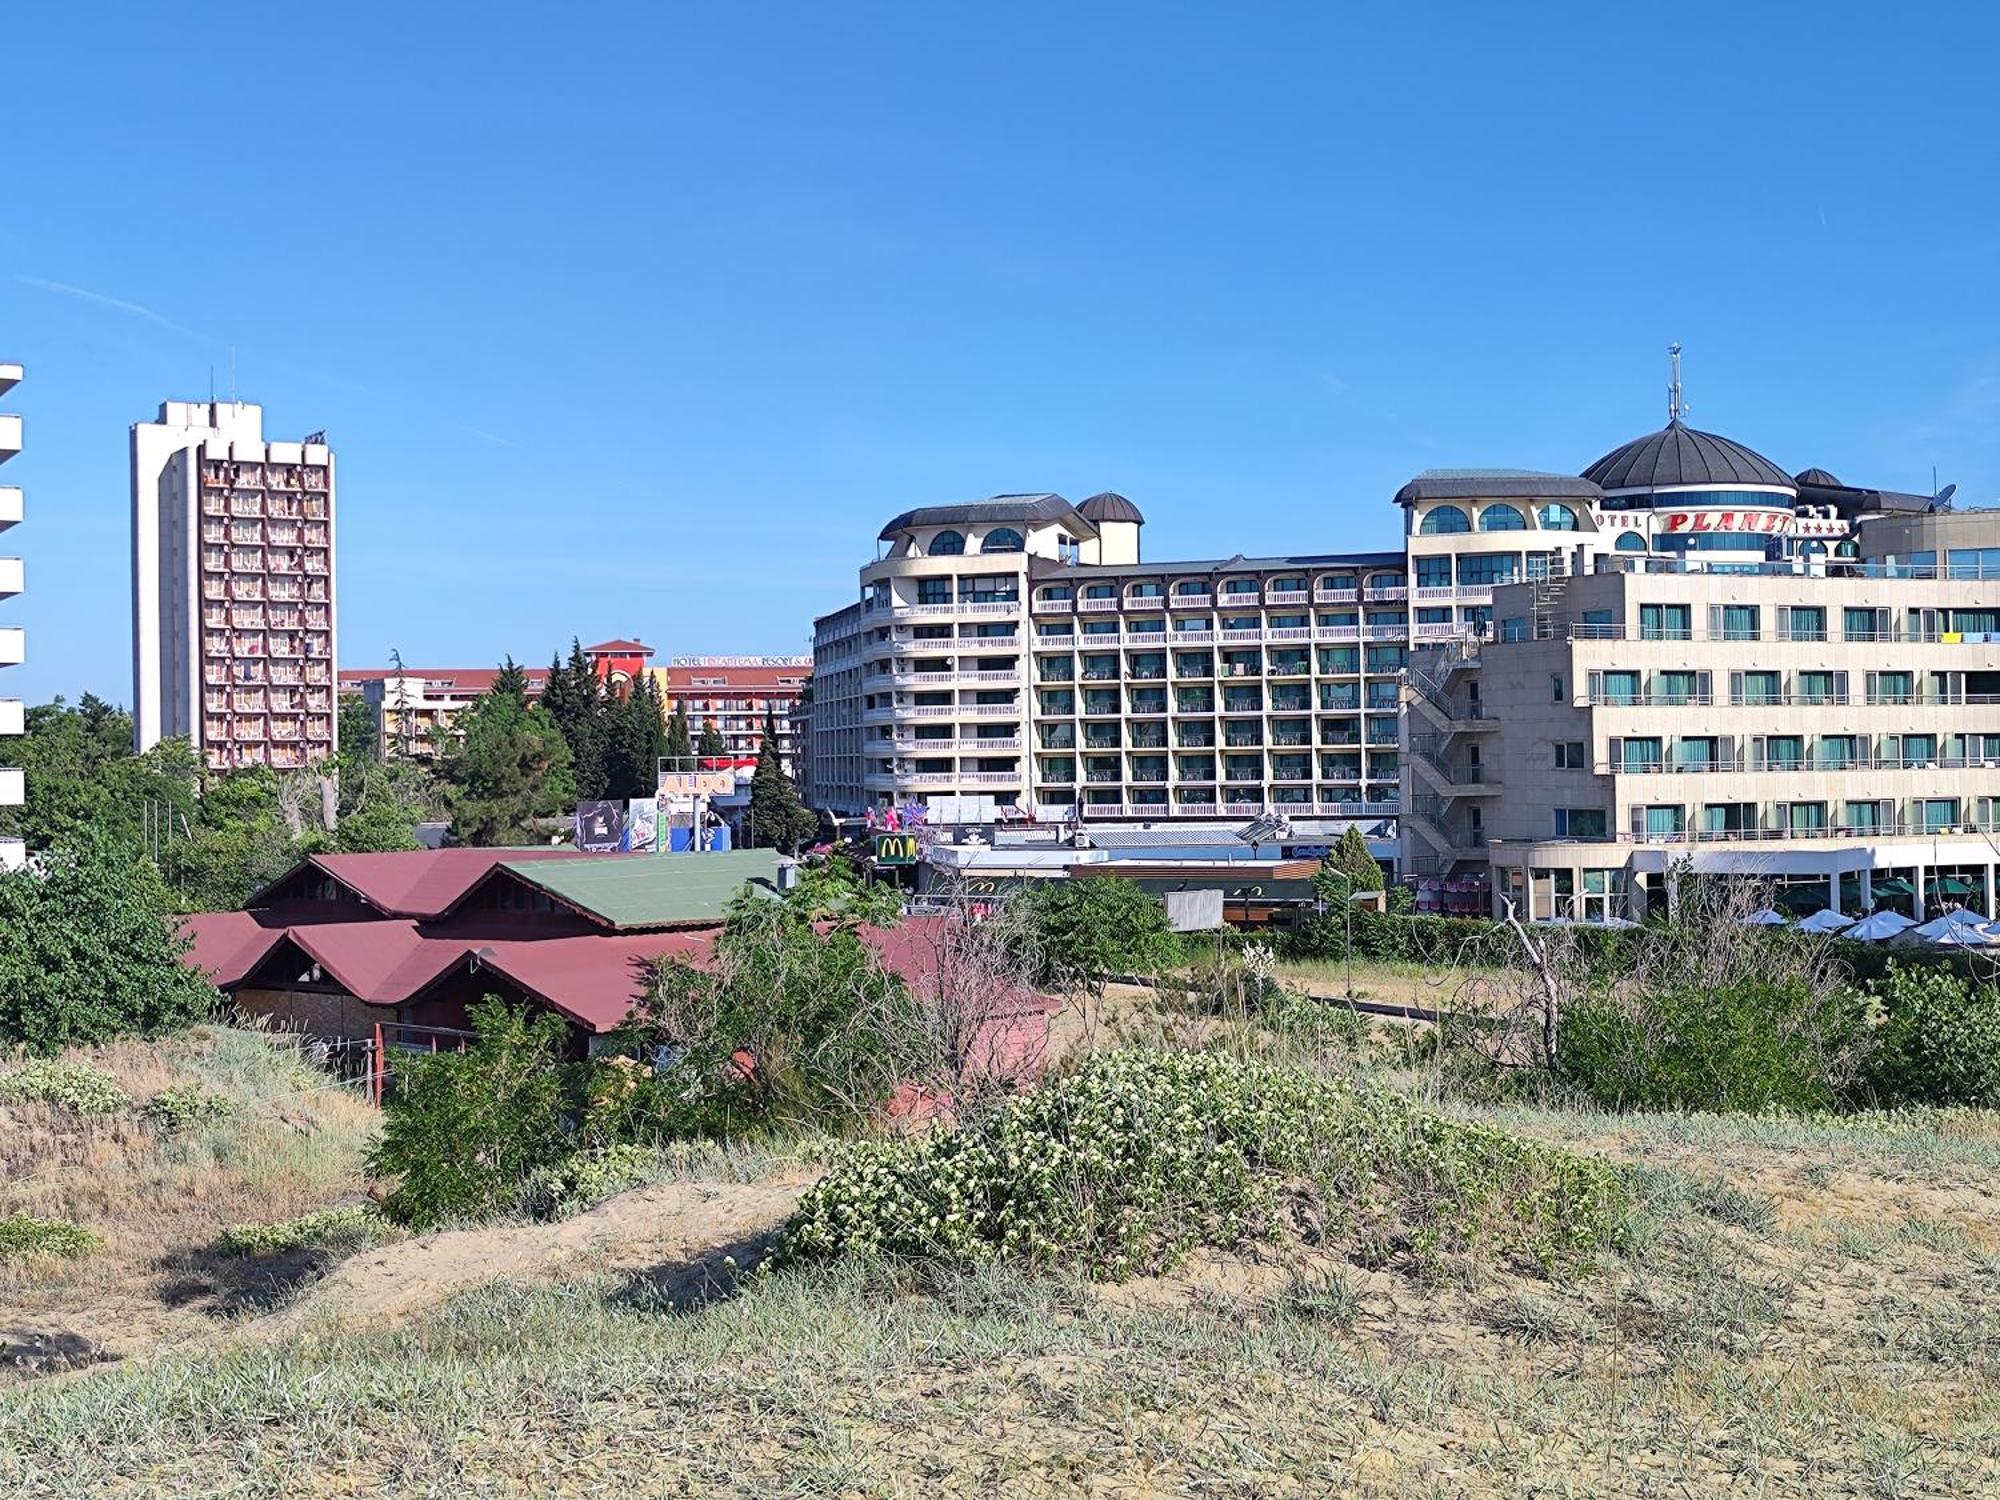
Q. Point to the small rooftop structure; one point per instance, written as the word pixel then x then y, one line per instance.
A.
pixel 1110 507
pixel 1013 510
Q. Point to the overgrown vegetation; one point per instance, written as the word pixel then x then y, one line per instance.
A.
pixel 73 1086
pixel 334 1230
pixel 22 1235
pixel 1139 1157
pixel 1079 933
pixel 89 953
pixel 187 1106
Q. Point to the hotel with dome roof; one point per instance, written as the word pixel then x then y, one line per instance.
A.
pixel 1560 685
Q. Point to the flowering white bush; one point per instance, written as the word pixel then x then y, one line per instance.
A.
pixel 1140 1156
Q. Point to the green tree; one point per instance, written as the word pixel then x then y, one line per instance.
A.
pixel 464 1133
pixel 1348 867
pixel 778 817
pixel 574 700
pixel 1082 932
pixel 360 731
pixel 511 681
pixel 511 769
pixel 635 739
pixel 712 746
pixel 89 953
pixel 679 747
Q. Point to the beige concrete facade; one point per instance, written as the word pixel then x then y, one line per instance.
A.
pixel 1844 730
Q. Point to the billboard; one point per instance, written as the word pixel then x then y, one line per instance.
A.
pixel 642 825
pixel 600 826
pixel 895 848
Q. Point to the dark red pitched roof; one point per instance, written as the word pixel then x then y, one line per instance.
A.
pixel 619 648
pixel 417 882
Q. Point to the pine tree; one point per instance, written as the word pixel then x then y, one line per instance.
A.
pixel 511 681
pixel 680 749
pixel 574 699
pixel 635 738
pixel 1348 867
pixel 778 818
pixel 713 746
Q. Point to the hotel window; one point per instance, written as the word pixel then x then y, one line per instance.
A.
pixel 1865 624
pixel 1915 750
pixel 1100 627
pixel 1570 756
pixel 1665 622
pixel 1191 586
pixel 1973 562
pixel 1556 689
pixel 1891 687
pixel 1733 622
pixel 1695 752
pixel 1488 569
pixel 1557 518
pixel 1515 628
pixel 1805 817
pixel 1660 820
pixel 1434 572
pixel 1629 541
pixel 1615 687
pixel 1729 817
pixel 1239 586
pixel 1784 752
pixel 1143 591
pixel 948 544
pixel 1502 518
pixel 1822 687
pixel 1003 539
pixel 1756 687
pixel 1193 622
pixel 1581 823
pixel 1838 752
pixel 1444 520
pixel 1636 754
pixel 1801 622
pixel 1439 615
pixel 1100 591
pixel 1861 815
pixel 1680 687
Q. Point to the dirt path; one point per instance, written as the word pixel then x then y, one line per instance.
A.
pixel 676 1234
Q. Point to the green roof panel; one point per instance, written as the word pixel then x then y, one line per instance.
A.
pixel 629 892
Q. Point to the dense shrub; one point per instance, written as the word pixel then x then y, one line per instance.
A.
pixel 73 1086
pixel 1140 1156
pixel 181 1108
pixel 89 954
pixel 1746 1045
pixel 330 1229
pixel 1082 932
pixel 22 1236
pixel 1939 1041
pixel 463 1132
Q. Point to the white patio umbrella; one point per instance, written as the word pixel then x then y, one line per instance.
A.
pixel 1826 919
pixel 1877 926
pixel 1765 918
pixel 1957 929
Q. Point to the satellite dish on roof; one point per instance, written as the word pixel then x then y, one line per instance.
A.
pixel 1942 499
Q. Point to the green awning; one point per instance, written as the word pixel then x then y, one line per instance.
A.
pixel 1951 885
pixel 1895 885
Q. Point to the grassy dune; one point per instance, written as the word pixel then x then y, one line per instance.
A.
pixel 1806 1309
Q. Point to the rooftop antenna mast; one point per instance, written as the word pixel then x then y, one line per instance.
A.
pixel 1676 408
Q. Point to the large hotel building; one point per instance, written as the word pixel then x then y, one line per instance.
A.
pixel 13 640
pixel 232 587
pixel 1558 687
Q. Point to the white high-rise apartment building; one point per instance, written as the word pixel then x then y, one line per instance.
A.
pixel 233 615
pixel 13 640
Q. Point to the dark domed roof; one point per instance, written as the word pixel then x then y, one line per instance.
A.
pixel 1819 478
pixel 1109 507
pixel 1678 455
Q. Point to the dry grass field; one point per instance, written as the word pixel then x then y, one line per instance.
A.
pixel 1804 1308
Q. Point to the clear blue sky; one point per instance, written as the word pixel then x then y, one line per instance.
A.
pixel 642 318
